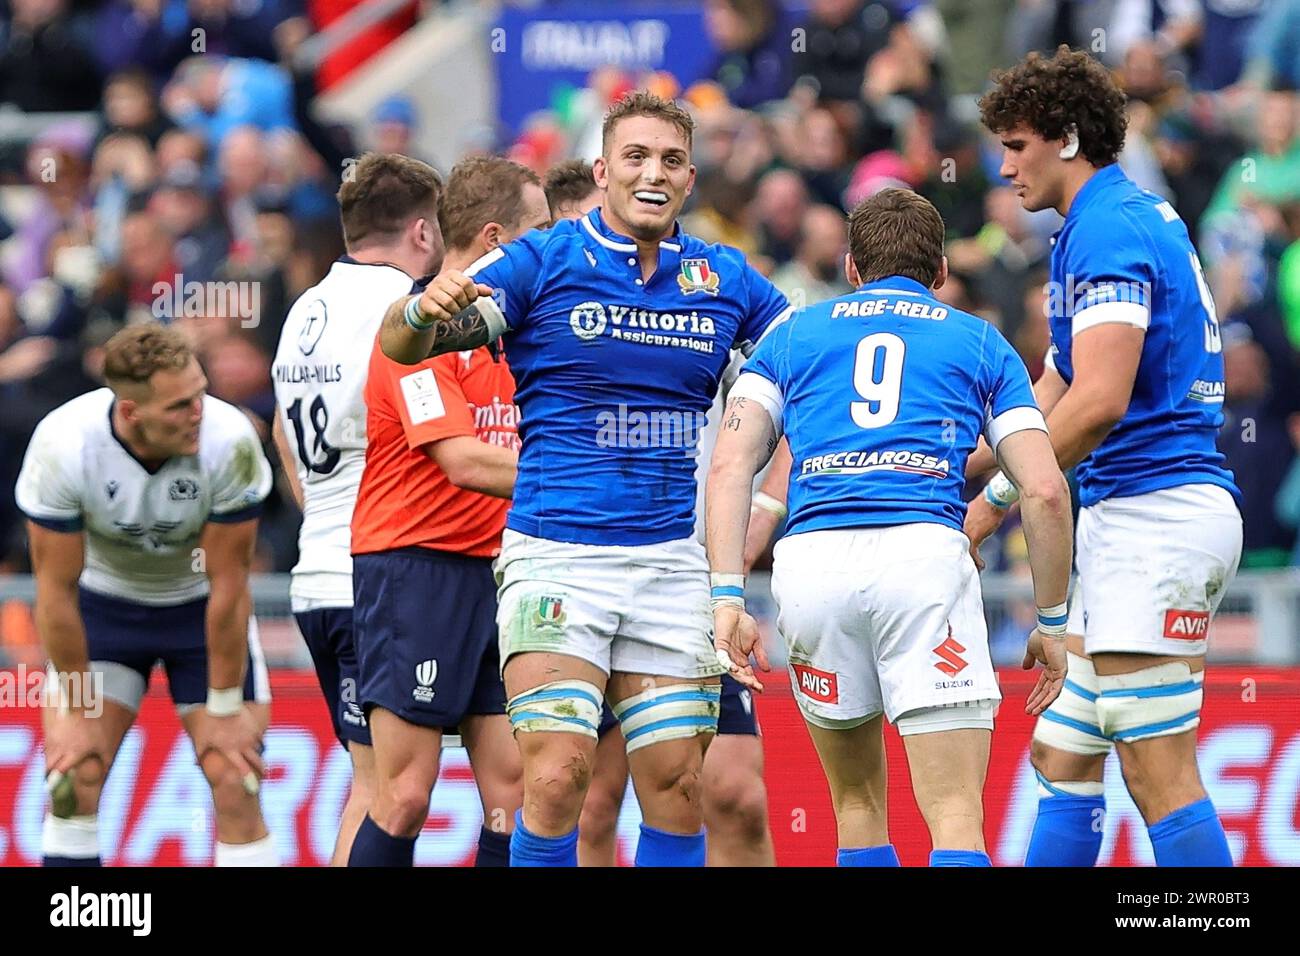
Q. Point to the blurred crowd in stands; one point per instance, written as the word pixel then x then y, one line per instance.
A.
pixel 207 165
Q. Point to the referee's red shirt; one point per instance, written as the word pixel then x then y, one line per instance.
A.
pixel 405 499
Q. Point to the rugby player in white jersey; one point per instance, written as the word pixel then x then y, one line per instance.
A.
pixel 142 502
pixel 389 209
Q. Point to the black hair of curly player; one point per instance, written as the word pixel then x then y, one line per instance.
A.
pixel 1051 94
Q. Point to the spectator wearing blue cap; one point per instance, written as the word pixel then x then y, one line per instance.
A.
pixel 394 125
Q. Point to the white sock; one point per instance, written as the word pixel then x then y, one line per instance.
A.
pixel 76 838
pixel 258 853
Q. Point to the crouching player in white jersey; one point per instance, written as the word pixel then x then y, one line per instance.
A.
pixel 610 320
pixel 1133 394
pixel 882 395
pixel 142 502
pixel 389 210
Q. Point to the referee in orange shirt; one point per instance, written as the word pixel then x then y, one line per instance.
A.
pixel 440 469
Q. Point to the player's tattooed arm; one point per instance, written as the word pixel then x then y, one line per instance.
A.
pixel 743 448
pixel 733 419
pixel 453 314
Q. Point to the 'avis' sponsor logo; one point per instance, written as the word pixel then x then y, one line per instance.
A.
pixel 819 685
pixel 1187 625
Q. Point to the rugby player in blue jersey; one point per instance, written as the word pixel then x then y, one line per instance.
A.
pixel 1133 394
pixel 882 395
pixel 617 317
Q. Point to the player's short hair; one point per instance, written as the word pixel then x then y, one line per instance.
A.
pixel 641 103
pixel 382 193
pixel 481 190
pixel 133 355
pixel 896 232
pixel 568 183
pixel 1051 94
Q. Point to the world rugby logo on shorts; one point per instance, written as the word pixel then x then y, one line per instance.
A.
pixel 588 320
pixel 426 672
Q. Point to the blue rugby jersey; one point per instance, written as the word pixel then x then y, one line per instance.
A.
pixel 614 376
pixel 882 395
pixel 1123 255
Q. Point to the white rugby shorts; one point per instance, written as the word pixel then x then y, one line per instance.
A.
pixel 640 609
pixel 1153 569
pixel 881 620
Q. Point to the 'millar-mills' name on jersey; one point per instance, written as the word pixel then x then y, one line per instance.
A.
pixel 590 320
pixel 309 374
pixel 860 462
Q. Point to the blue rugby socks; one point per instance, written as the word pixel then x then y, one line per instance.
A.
pixel 1067 832
pixel 959 858
pixel 867 856
pixel 661 848
pixel 530 849
pixel 1192 836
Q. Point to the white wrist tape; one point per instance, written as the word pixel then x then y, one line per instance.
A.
pixel 1052 620
pixel 1001 492
pixel 769 504
pixel 414 317
pixel 225 703
pixel 726 590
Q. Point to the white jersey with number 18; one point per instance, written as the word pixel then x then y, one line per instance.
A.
pixel 320 374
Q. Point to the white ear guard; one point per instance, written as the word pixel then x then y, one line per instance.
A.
pixel 1071 147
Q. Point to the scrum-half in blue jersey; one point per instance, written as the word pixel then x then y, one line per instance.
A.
pixel 882 395
pixel 1123 255
pixel 615 376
